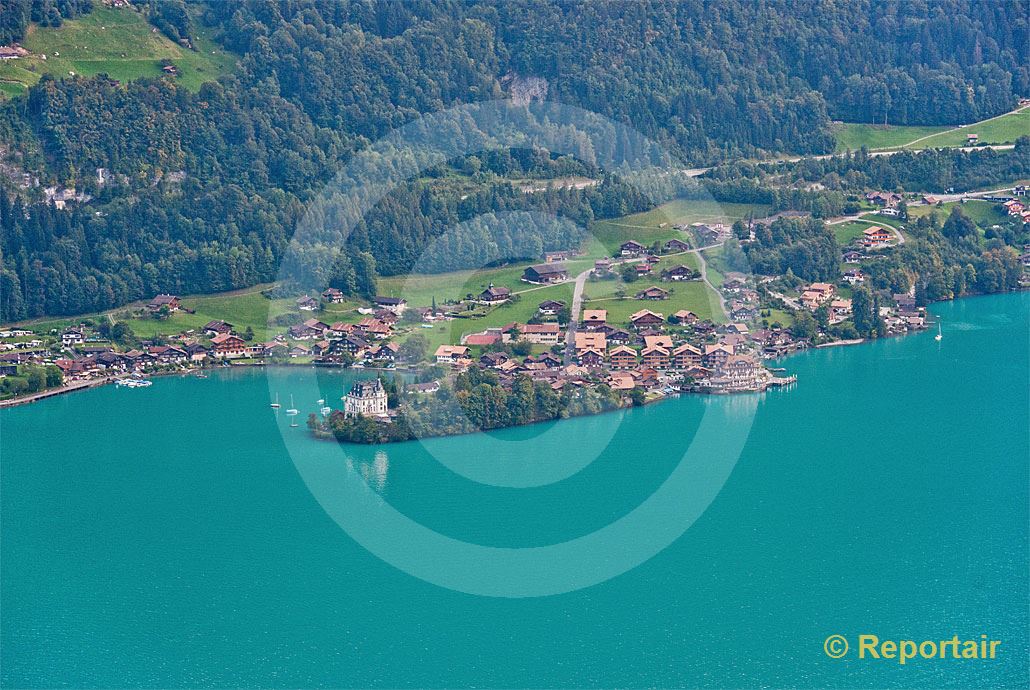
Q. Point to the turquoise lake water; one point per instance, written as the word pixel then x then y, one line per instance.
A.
pixel 186 535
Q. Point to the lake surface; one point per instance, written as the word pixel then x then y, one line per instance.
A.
pixel 186 535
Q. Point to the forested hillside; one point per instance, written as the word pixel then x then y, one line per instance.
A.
pixel 204 189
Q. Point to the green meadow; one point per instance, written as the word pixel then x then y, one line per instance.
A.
pixel 1004 129
pixel 854 135
pixel 118 42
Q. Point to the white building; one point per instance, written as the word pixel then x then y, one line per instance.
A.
pixel 366 398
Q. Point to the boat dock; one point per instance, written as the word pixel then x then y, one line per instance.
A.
pixel 75 386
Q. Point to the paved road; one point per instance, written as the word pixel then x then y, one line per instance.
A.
pixel 581 281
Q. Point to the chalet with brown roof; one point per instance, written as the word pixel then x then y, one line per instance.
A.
pixel 307 303
pixel 545 273
pixel 161 301
pixel 685 317
pixel 594 318
pixel 679 273
pixel 395 304
pixel 646 317
pixel 213 328
pixel 655 358
pixel 495 295
pixel 653 293
pixel 675 245
pixel 591 358
pixel 228 346
pixel 333 296
pixel 590 341
pixel 876 236
pixel 686 356
pixel 622 357
pixel 643 268
pixel 658 341
pixel 715 355
pixel 631 248
pixel 550 307
pixel 451 354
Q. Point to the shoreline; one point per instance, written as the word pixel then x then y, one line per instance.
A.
pixel 95 383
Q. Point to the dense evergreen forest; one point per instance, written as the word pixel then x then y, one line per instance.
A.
pixel 203 190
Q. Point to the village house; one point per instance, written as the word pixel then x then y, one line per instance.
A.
pixel 300 350
pixel 307 303
pixel 351 344
pixel 73 336
pixel 876 236
pixel 332 296
pixel 590 358
pixel 714 356
pixel 840 309
pixel 853 277
pixel 642 269
pixel 631 248
pixel 686 356
pixel 545 273
pixel 396 305
pixel 494 295
pixel 593 319
pixel 653 293
pixel 817 294
pixel 590 341
pixel 685 317
pixel 217 327
pixel 312 328
pixel 494 359
pixel 645 318
pixel 680 272
pixel 228 346
pixel 166 354
pixel 622 357
pixel 658 341
pixel 366 398
pixel 972 139
pixel 550 307
pixel 602 266
pixel 451 354
pixel 889 199
pixel 196 352
pixel 616 336
pixel 655 358
pixel 160 301
pixel 675 245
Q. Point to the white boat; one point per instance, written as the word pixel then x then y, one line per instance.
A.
pixel 292 410
pixel 275 405
pixel 939 335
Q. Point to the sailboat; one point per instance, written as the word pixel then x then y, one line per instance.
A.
pixel 939 335
pixel 275 405
pixel 292 411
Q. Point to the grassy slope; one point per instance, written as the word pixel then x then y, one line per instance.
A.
pixel 249 308
pixel 1000 130
pixel 118 42
pixel 854 135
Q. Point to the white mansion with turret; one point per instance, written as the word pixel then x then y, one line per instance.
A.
pixel 366 398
